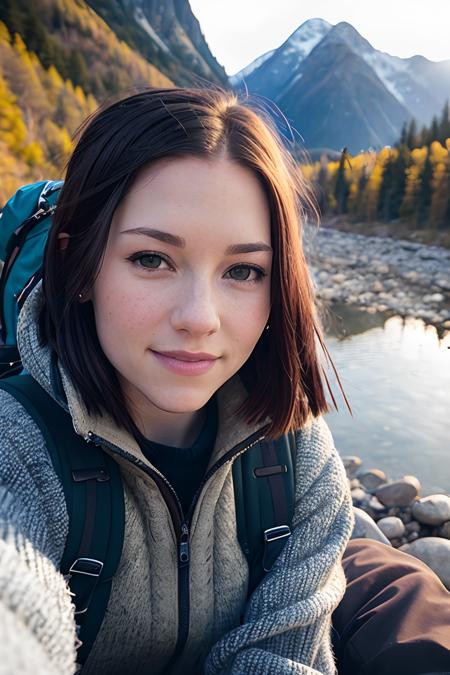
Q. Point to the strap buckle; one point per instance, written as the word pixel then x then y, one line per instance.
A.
pixel 88 567
pixel 274 540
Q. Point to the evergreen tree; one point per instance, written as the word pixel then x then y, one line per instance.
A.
pixel 403 135
pixel 425 192
pixel 384 199
pixel 341 189
pixel 445 123
pixel 434 133
pixel 393 183
pixel 438 130
pixel 35 37
pixel 422 138
pixel 360 202
pixel 411 135
pixel 11 15
pixel 78 70
pixel 398 182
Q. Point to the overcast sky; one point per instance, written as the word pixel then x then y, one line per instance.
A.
pixel 238 31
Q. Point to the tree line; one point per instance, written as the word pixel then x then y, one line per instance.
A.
pixel 409 181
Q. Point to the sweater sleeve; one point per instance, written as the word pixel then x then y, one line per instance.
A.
pixel 287 620
pixel 37 627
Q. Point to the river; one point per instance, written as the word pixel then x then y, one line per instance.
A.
pixel 395 373
pixel 394 358
pixel 396 376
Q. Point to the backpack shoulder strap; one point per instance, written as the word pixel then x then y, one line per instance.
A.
pixel 94 497
pixel 264 487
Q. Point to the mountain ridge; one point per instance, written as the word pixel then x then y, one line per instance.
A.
pixel 405 88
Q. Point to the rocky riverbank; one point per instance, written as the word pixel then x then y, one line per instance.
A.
pixel 380 274
pixel 391 276
pixel 395 513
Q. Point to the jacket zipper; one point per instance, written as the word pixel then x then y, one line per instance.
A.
pixel 181 524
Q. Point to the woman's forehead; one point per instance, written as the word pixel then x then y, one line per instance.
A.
pixel 192 195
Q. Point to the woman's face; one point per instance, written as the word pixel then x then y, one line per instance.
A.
pixel 187 268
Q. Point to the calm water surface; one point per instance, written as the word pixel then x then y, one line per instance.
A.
pixel 396 375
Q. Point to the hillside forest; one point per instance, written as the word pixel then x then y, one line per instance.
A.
pixel 48 88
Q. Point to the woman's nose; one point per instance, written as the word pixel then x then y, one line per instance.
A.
pixel 196 309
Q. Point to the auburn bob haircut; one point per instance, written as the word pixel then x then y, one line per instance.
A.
pixel 283 375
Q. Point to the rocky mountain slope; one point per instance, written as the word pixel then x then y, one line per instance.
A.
pixel 165 31
pixel 338 90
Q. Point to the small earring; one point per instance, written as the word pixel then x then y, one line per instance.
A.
pixel 267 327
pixel 80 296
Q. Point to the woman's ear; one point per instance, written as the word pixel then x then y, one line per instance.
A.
pixel 63 240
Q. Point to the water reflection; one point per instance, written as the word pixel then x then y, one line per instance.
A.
pixel 395 372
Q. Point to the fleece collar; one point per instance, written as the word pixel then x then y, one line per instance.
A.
pixel 37 361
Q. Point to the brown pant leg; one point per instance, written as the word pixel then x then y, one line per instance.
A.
pixel 394 618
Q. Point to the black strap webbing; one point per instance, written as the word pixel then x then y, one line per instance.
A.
pixel 94 497
pixel 264 485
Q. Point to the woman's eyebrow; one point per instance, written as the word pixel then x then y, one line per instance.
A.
pixel 180 242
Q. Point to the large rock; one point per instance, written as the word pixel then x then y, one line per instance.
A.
pixel 372 478
pixel 373 507
pixel 359 495
pixel 414 480
pixel 432 510
pixel 434 552
pixel 444 530
pixel 399 492
pixel 351 463
pixel 366 528
pixel 392 527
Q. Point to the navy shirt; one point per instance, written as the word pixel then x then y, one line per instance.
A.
pixel 184 468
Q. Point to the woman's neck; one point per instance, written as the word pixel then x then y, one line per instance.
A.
pixel 179 430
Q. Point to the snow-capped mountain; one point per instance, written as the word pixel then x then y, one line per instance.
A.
pixel 245 72
pixel 282 64
pixel 336 89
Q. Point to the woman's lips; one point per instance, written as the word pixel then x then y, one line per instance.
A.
pixel 181 367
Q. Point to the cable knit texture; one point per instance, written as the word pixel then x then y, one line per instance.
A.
pixel 286 626
pixel 287 619
pixel 36 613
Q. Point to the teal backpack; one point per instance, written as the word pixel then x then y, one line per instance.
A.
pixel 24 224
pixel 263 475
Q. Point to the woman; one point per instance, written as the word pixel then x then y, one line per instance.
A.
pixel 178 306
pixel 175 292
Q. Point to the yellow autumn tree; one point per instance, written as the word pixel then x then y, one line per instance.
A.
pixel 408 209
pixel 361 168
pixel 13 132
pixel 374 184
pixel 58 143
pixel 439 156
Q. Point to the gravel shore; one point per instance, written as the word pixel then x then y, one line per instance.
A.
pixel 380 274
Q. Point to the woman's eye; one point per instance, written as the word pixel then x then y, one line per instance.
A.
pixel 148 260
pixel 243 273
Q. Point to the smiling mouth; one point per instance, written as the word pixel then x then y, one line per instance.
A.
pixel 188 356
pixel 182 366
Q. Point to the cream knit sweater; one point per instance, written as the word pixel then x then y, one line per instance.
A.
pixel 287 620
